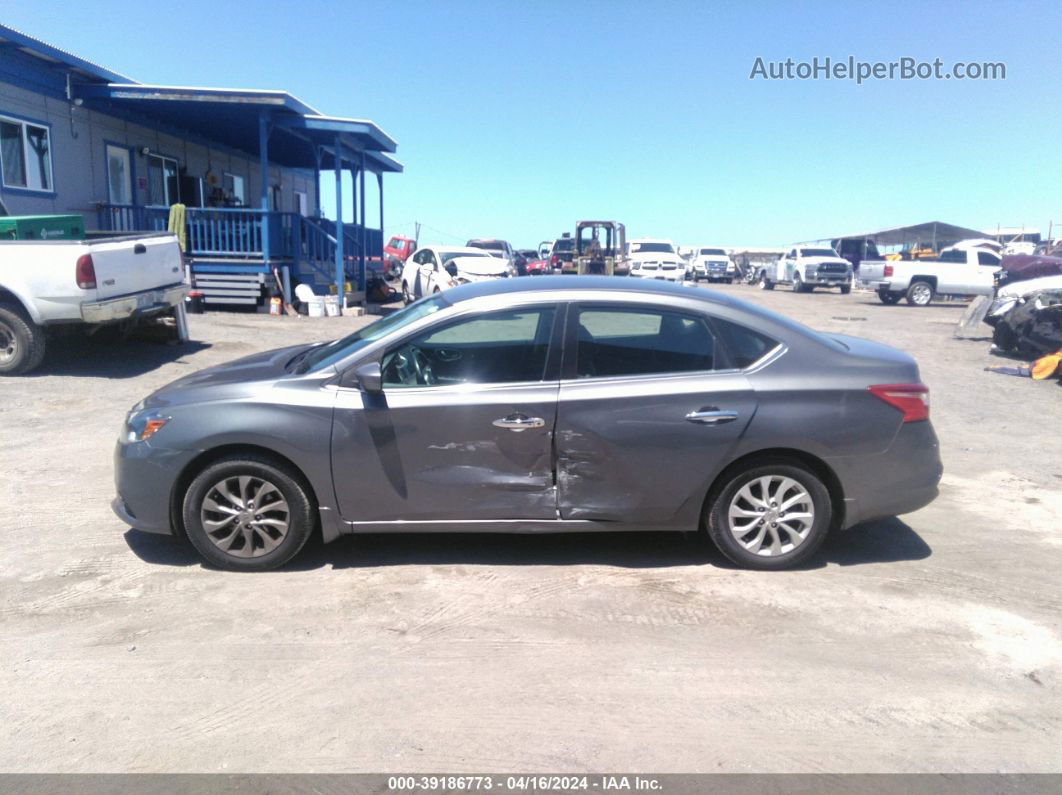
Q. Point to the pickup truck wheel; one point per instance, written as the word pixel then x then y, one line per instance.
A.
pixel 765 283
pixel 773 515
pixel 798 284
pixel 21 341
pixel 920 294
pixel 846 289
pixel 889 298
pixel 247 513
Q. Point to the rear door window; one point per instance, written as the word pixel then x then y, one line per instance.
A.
pixel 627 341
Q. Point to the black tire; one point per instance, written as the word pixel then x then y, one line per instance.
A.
pixel 22 342
pixel 846 289
pixel 302 514
pixel 406 297
pixel 920 293
pixel 889 298
pixel 798 284
pixel 765 283
pixel 718 523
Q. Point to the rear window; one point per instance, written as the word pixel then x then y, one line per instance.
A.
pixel 564 244
pixel 744 345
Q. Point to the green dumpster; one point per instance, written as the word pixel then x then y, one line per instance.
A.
pixel 42 227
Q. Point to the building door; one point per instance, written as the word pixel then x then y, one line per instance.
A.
pixel 120 187
pixel 302 205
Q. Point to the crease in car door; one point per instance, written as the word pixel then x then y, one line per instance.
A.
pixel 635 445
pixel 454 449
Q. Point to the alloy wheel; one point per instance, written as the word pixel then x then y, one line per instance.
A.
pixel 921 293
pixel 245 516
pixel 771 515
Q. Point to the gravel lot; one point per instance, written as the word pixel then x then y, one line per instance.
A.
pixel 932 642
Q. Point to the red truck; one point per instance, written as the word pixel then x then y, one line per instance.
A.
pixel 396 252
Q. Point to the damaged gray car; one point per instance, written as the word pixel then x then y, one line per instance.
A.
pixel 551 405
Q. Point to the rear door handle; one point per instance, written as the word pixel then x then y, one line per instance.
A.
pixel 712 416
pixel 519 422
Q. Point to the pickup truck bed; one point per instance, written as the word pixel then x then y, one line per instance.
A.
pixel 103 280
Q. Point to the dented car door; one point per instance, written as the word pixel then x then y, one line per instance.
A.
pixel 649 410
pixel 463 429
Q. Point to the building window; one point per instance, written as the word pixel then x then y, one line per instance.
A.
pixel 25 155
pixel 235 192
pixel 302 204
pixel 162 180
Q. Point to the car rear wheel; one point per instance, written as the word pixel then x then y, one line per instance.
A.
pixel 772 515
pixel 889 298
pixel 247 514
pixel 21 341
pixel 920 294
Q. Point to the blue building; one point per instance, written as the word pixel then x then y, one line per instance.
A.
pixel 78 138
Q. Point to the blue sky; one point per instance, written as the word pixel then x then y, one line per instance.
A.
pixel 516 119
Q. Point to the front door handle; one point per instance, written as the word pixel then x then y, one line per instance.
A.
pixel 712 416
pixel 519 422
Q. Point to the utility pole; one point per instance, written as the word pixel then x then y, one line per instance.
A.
pixel 416 234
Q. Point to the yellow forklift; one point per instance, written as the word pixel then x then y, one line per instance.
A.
pixel 600 248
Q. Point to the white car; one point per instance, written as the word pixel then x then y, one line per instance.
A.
pixel 654 258
pixel 435 268
pixel 807 267
pixel 712 264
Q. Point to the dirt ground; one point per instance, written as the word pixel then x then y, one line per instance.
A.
pixel 932 642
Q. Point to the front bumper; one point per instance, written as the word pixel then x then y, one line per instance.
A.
pixel 145 304
pixel 144 478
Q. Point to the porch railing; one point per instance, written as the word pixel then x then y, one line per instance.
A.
pixel 237 233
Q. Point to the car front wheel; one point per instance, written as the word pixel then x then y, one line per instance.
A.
pixel 406 297
pixel 247 514
pixel 772 515
pixel 920 294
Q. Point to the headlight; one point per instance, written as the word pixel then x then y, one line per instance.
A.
pixel 141 427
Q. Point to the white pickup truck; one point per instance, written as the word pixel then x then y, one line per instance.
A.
pixel 960 272
pixel 92 282
pixel 808 267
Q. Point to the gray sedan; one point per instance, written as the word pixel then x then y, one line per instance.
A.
pixel 550 405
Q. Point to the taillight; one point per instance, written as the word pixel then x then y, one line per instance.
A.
pixel 553 260
pixel 912 400
pixel 888 270
pixel 85 272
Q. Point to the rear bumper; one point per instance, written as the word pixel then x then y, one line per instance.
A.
pixel 149 302
pixel 904 478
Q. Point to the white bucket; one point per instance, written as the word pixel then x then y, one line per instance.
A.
pixel 315 307
pixel 331 305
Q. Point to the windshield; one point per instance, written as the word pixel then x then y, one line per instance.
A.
pixel 646 248
pixel 488 245
pixel 817 252
pixel 446 256
pixel 712 252
pixel 328 355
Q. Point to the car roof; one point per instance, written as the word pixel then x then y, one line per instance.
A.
pixel 651 240
pixel 589 284
pixel 455 249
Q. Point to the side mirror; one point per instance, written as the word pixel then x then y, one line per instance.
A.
pixel 451 269
pixel 370 378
